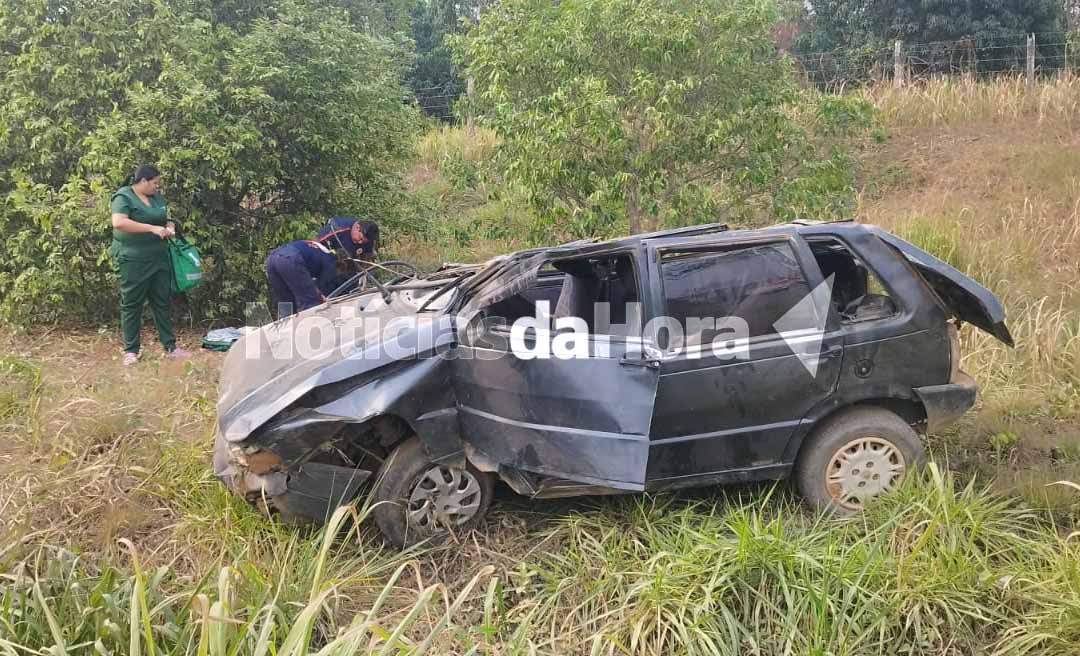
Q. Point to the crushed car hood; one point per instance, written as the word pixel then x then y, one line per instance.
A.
pixel 270 368
pixel 966 299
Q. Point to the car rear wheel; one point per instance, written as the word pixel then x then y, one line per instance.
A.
pixel 417 500
pixel 855 457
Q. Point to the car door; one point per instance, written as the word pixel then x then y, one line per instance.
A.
pixel 733 410
pixel 583 419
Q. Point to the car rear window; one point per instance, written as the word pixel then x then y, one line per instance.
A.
pixel 757 284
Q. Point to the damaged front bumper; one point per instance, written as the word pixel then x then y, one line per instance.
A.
pixel 310 490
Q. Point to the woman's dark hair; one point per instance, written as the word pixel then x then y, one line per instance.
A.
pixel 144 172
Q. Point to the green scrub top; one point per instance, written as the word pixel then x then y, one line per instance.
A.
pixel 143 245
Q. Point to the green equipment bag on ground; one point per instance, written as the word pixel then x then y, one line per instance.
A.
pixel 186 265
pixel 221 339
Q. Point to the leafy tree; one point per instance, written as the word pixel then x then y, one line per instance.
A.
pixel 258 116
pixel 376 16
pixel 622 113
pixel 381 17
pixel 1072 14
pixel 433 77
pixel 872 26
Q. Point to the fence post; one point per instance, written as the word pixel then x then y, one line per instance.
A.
pixel 898 65
pixel 1031 62
pixel 470 94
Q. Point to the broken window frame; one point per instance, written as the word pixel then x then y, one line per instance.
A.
pixel 899 308
pixel 522 282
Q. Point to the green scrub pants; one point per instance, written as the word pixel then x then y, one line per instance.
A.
pixel 141 281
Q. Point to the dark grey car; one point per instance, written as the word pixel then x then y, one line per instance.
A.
pixel 681 358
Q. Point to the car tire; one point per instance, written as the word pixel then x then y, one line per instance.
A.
pixel 410 488
pixel 856 456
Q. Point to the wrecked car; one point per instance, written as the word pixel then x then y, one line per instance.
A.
pixel 689 357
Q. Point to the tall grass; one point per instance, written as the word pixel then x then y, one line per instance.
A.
pixel 936 568
pixel 20 384
pixel 472 211
pixel 982 174
pixel 445 147
pixel 1003 207
pixel 962 100
pixel 55 603
pixel 1045 326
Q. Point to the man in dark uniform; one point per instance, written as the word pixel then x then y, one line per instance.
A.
pixel 301 273
pixel 357 237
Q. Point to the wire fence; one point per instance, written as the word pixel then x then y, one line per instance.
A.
pixel 1050 53
pixel 978 57
pixel 438 101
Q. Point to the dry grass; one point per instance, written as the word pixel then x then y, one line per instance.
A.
pixel 78 469
pixel 963 100
pixel 984 176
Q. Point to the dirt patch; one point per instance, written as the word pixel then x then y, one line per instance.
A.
pixel 974 163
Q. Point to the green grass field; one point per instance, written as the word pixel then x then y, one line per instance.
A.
pixel 116 539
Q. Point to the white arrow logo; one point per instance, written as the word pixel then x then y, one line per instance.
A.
pixel 803 326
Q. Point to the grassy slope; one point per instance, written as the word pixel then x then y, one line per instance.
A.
pixel 988 178
pixel 91 453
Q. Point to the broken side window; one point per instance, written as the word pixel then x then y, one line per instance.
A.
pixel 600 290
pixel 857 293
pixel 757 284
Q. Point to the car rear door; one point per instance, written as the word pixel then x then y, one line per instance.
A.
pixel 732 411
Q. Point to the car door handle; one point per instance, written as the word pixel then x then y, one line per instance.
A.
pixel 640 362
pixel 834 351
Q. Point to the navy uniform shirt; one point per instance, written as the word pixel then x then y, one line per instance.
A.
pixel 318 260
pixel 337 233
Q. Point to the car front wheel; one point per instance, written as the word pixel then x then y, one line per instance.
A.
pixel 855 457
pixel 417 500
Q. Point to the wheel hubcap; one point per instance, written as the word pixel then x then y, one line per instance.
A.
pixel 443 498
pixel 862 469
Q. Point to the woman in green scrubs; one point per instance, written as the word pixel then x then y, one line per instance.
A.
pixel 140 228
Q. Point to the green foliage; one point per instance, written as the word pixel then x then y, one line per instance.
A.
pixel 433 77
pixel 933 568
pixel 856 22
pixel 258 116
pixel 1003 442
pixel 375 16
pixel 292 605
pixel 662 112
pixel 865 30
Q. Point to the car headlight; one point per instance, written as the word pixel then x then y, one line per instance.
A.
pixel 256 461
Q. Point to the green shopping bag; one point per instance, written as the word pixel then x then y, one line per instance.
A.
pixel 186 265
